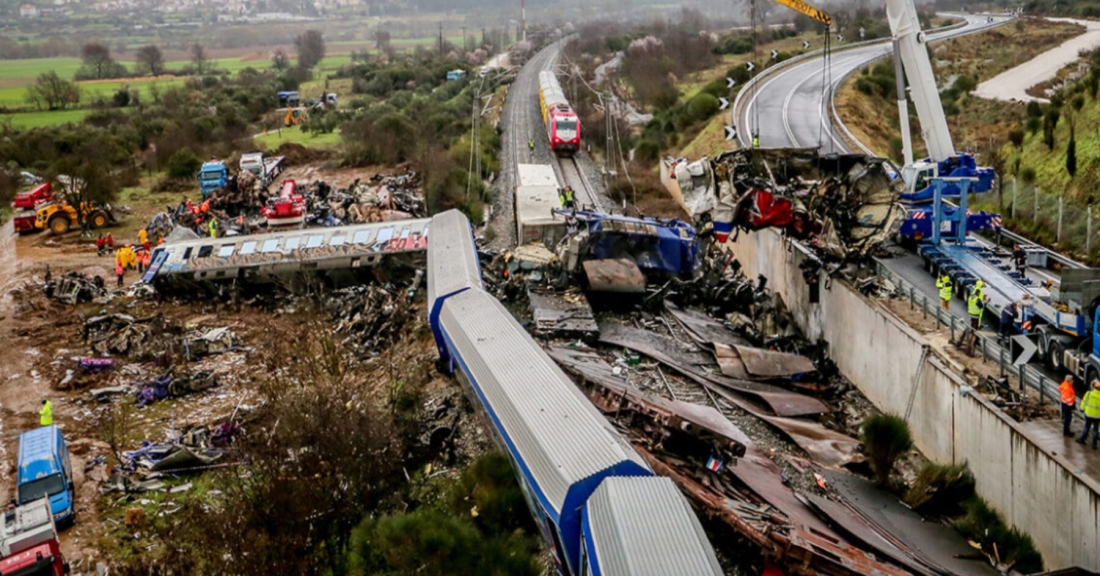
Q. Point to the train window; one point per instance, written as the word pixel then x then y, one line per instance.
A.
pixel 270 245
pixel 336 240
pixel 187 253
pixel 293 243
pixel 566 125
pixel 205 251
pixel 361 237
pixel 384 235
pixel 314 241
pixel 248 247
pixel 226 250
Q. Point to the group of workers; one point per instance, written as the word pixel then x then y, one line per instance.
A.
pixel 202 227
pixel 975 303
pixel 1090 405
pixel 129 257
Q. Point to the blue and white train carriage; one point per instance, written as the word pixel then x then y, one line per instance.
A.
pixel 584 483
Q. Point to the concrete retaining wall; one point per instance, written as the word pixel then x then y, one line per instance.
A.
pixel 1041 493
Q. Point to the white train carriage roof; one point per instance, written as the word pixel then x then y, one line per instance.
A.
pixel 554 432
pixel 552 94
pixel 645 527
pixel 452 258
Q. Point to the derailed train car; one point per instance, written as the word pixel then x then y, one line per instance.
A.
pixel 335 255
pixel 596 501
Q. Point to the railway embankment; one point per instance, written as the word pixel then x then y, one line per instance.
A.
pixel 1037 487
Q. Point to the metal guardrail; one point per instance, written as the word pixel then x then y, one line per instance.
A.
pixel 769 71
pixel 988 345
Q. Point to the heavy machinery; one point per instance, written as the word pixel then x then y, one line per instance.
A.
pixel 264 169
pixel 60 217
pixel 295 116
pixel 26 205
pixel 28 542
pixel 213 176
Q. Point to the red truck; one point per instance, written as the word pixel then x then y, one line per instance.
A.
pixel 29 544
pixel 26 206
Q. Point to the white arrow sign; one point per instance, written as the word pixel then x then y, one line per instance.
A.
pixel 750 66
pixel 730 82
pixel 805 44
pixel 775 54
pixel 1028 349
pixel 723 103
pixel 839 37
pixel 731 132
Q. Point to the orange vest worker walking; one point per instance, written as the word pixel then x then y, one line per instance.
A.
pixel 1069 403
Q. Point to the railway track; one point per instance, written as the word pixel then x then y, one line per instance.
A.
pixel 573 175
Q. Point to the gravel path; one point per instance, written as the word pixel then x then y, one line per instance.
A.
pixel 1012 85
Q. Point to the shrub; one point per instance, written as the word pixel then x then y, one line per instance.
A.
pixel 940 489
pixel 966 84
pixel 183 164
pixel 1027 174
pixel 1016 136
pixel 885 438
pixel 647 152
pixel 984 525
pixel 1033 124
pixel 1034 110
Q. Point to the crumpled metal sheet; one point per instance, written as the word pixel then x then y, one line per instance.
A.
pixel 703 328
pixel 618 275
pixel 689 360
pixel 562 312
pixel 759 363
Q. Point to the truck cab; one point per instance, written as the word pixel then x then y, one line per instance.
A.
pixel 46 472
pixel 253 162
pixel 212 176
pixel 28 542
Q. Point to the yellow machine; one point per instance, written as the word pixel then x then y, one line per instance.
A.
pixel 800 6
pixel 295 116
pixel 60 217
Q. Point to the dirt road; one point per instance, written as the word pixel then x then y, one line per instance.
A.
pixel 1012 84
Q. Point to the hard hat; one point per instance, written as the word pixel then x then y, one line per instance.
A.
pixel 979 284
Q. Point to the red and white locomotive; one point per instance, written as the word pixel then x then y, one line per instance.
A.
pixel 563 128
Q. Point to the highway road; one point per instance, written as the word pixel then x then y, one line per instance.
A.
pixel 790 107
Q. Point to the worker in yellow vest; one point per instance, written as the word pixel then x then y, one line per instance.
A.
pixel 1090 404
pixel 945 286
pixel 45 415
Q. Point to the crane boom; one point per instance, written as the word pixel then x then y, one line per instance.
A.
pixel 922 82
pixel 804 8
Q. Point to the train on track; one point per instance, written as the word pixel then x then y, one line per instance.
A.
pixel 563 128
pixel 597 503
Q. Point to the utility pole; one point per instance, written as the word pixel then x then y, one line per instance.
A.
pixel 523 18
pixel 440 39
pixel 464 39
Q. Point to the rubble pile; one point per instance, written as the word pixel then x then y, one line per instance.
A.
pixel 125 335
pixel 75 288
pixel 383 197
pixel 370 316
pixel 844 206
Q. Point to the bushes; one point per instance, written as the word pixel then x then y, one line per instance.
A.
pixel 940 489
pixel 183 164
pixel 984 525
pixel 885 438
pixel 734 44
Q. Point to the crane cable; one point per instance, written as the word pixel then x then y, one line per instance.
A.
pixel 754 128
pixel 826 86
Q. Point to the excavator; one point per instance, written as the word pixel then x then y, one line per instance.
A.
pixel 295 116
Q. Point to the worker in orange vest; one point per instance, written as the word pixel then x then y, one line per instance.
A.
pixel 1069 403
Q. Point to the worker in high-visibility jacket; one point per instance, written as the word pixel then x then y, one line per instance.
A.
pixel 946 287
pixel 1069 403
pixel 975 306
pixel 45 415
pixel 1090 404
pixel 755 140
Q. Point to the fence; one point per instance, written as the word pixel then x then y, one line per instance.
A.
pixel 1047 217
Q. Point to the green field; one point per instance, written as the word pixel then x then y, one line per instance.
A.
pixel 272 140
pixel 36 119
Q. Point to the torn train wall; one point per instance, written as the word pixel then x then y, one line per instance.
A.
pixel 1037 491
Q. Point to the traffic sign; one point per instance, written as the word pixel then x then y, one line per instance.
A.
pixel 723 103
pixel 731 133
pixel 839 37
pixel 750 66
pixel 805 44
pixel 775 54
pixel 730 82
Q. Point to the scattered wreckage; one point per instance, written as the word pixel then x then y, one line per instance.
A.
pixel 844 205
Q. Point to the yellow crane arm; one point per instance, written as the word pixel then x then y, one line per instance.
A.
pixel 804 8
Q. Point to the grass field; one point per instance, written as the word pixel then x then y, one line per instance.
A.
pixel 36 119
pixel 324 141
